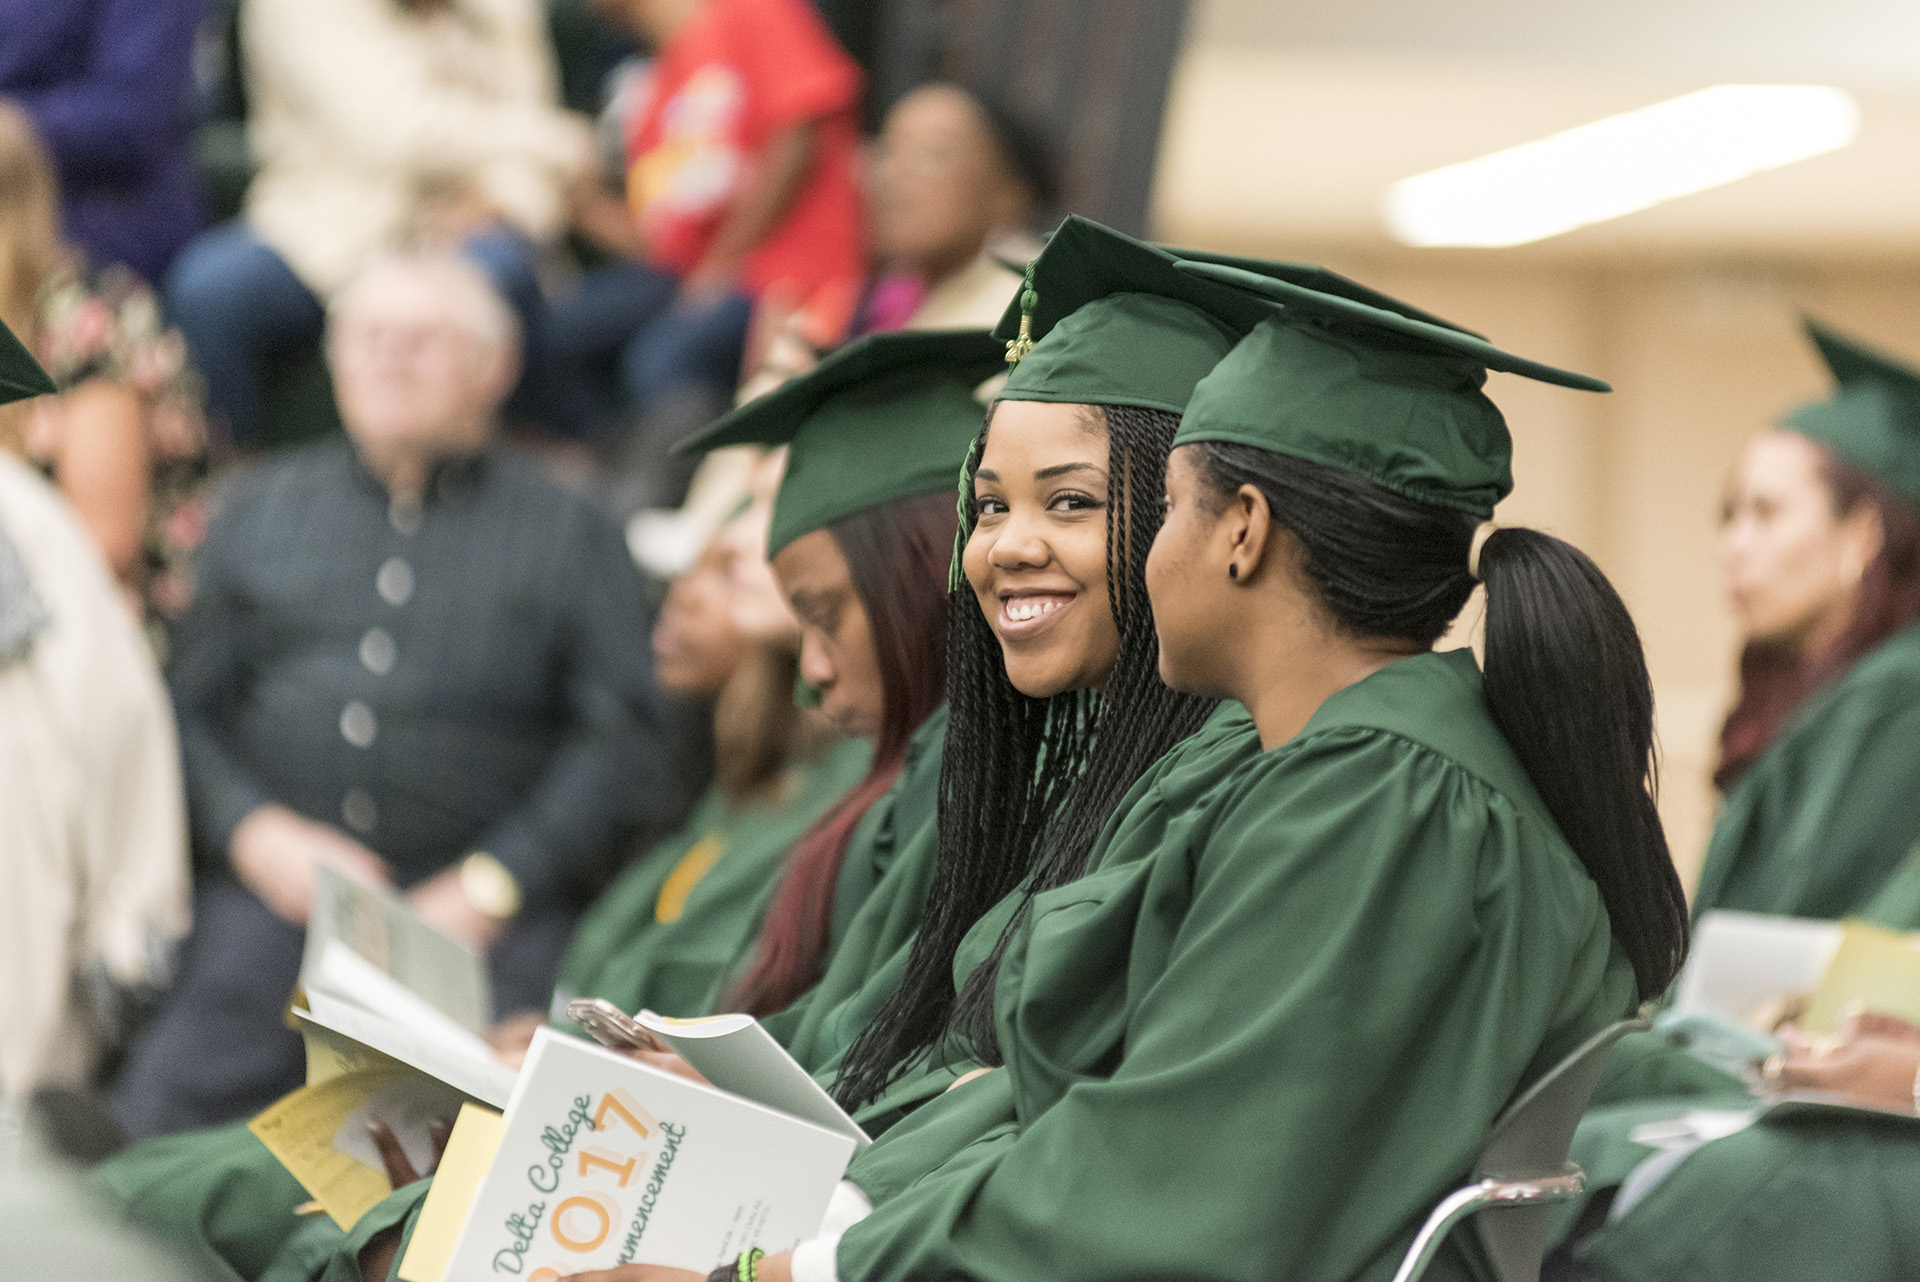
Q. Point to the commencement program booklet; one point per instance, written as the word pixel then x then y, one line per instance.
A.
pixel 604 1160
pixel 365 946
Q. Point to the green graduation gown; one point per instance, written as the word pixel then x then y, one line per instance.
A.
pixel 625 952
pixel 1818 823
pixel 1264 1036
pixel 1167 789
pixel 1788 1199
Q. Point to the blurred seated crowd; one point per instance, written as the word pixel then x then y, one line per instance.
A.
pixel 367 429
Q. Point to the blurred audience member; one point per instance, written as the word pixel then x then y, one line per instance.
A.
pixel 125 442
pixel 108 84
pixel 413 659
pixel 377 124
pixel 956 181
pixel 92 827
pixel 1820 756
pixel 740 187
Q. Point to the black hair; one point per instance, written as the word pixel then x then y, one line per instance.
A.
pixel 1565 679
pixel 896 556
pixel 1006 823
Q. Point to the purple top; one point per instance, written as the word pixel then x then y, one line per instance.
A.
pixel 109 84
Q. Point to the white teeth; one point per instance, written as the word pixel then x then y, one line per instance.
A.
pixel 1021 611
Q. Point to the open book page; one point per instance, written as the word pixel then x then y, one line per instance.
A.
pixel 1741 962
pixel 449 1054
pixel 736 1054
pixel 357 931
pixel 606 1161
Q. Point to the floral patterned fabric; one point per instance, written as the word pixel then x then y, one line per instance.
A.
pixel 108 325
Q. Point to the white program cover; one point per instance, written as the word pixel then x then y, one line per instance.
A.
pixel 607 1161
pixel 1741 961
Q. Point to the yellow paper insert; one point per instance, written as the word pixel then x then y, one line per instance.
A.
pixel 470 1149
pixel 299 1130
pixel 1874 969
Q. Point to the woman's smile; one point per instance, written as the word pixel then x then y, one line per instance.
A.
pixel 1024 614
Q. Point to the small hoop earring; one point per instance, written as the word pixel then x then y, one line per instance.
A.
pixel 1233 571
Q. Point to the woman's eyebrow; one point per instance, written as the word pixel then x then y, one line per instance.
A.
pixel 985 474
pixel 1061 469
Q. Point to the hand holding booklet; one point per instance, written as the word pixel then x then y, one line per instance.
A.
pixel 392 1013
pixel 603 1160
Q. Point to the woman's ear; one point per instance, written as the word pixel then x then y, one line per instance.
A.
pixel 1864 534
pixel 1247 527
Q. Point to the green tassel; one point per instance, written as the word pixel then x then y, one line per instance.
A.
pixel 1029 299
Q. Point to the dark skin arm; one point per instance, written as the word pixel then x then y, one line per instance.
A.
pixel 608 222
pixel 757 210
pixel 376 1257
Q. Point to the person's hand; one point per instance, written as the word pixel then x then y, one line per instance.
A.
pixel 399 1166
pixel 510 1038
pixel 276 854
pixel 668 1062
pixel 706 286
pixel 1877 1067
pixel 771 1268
pixel 442 904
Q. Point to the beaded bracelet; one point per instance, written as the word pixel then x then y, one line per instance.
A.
pixel 744 1268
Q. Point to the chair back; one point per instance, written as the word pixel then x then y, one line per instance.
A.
pixel 1530 1141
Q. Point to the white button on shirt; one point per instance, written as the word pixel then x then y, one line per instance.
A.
pixel 394 582
pixel 377 651
pixel 359 810
pixel 357 725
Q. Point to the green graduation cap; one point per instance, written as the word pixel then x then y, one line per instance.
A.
pixel 1872 420
pixel 1391 396
pixel 20 375
pixel 1105 319
pixel 888 417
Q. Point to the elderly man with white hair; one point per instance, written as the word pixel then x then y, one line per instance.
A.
pixel 413 658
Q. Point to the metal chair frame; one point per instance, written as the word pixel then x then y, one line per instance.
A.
pixel 1523 1167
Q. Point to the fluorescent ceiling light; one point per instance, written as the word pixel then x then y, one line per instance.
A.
pixel 1618 165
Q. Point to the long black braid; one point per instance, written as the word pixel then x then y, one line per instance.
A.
pixel 1026 785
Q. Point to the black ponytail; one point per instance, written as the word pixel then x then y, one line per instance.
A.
pixel 1565 678
pixel 1005 822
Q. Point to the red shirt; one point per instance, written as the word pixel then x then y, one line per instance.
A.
pixel 739 72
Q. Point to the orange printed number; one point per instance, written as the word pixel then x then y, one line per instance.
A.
pixel 622 1171
pixel 567 1216
pixel 618 1101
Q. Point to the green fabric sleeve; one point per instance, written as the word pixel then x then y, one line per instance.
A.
pixel 218 1191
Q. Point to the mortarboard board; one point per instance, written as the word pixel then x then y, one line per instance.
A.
pixel 1105 319
pixel 1392 396
pixel 887 417
pixel 1872 421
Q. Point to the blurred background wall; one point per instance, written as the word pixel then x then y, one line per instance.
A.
pixel 1287 121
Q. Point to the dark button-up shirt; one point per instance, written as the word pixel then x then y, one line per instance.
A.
pixel 108 84
pixel 470 674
